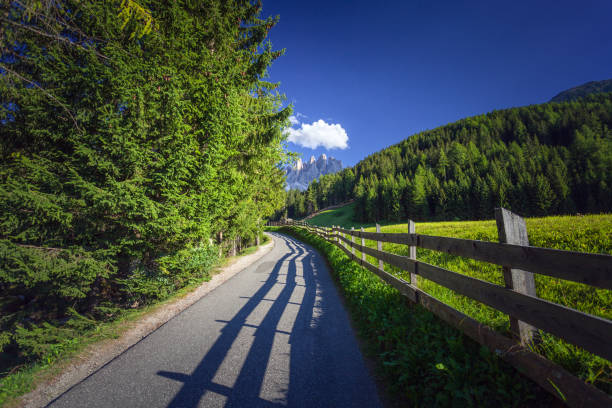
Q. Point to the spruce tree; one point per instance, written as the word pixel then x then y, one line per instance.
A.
pixel 132 133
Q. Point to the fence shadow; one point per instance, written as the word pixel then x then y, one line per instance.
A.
pixel 246 389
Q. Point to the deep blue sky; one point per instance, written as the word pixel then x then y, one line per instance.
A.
pixel 385 70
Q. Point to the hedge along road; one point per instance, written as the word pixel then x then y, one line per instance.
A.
pixel 276 334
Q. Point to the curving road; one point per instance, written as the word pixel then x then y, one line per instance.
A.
pixel 276 334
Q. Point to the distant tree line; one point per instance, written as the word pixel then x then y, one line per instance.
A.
pixel 553 158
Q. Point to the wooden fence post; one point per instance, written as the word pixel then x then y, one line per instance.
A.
pixel 413 252
pixel 363 255
pixel 511 229
pixel 381 266
pixel 352 241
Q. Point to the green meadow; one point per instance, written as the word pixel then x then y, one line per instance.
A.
pixel 584 233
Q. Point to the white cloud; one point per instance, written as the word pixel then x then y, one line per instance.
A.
pixel 319 133
pixel 295 119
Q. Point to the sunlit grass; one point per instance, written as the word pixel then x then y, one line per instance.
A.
pixel 339 216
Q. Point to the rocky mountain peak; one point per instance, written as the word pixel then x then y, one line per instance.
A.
pixel 303 173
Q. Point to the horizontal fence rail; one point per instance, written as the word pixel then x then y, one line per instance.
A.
pixel 589 332
pixel 526 311
pixel 590 269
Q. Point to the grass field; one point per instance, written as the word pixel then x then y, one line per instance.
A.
pixel 588 233
pixel 342 216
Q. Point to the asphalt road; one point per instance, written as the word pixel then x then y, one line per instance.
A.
pixel 276 334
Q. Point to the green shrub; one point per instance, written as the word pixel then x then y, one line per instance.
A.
pixel 168 274
pixel 54 277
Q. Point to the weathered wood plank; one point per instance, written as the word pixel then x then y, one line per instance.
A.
pixel 412 251
pixel 512 229
pixel 587 268
pixel 401 285
pixel 394 238
pixel 400 261
pixel 381 264
pixel 591 269
pixel 363 255
pixel 589 332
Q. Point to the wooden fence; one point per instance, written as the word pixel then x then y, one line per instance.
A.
pixel 527 313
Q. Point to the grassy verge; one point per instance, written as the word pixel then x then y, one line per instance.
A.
pixel 588 233
pixel 59 352
pixel 424 361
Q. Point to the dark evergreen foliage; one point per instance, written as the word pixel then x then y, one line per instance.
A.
pixel 554 158
pixel 583 90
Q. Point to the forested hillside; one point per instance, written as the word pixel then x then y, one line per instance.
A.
pixel 583 90
pixel 554 158
pixel 135 136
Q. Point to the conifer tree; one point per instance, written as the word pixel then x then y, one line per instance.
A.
pixel 132 132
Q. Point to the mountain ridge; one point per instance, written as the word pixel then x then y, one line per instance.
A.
pixel 583 90
pixel 300 175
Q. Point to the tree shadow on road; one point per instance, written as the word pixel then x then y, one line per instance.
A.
pixel 246 389
pixel 325 367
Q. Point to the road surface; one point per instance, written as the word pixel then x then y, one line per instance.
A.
pixel 274 335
